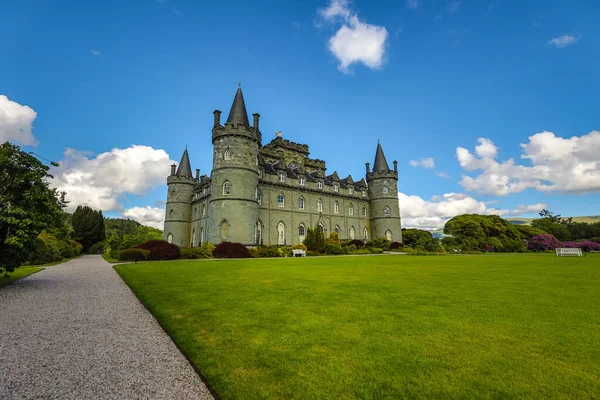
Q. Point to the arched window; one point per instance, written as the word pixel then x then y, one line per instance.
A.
pixel 281 234
pixel 227 155
pixel 337 229
pixel 170 238
pixel 386 211
pixel 301 232
pixel 258 233
pixel 259 197
pixel 350 209
pixel 365 234
pixel 336 207
pixel 171 213
pixel 201 235
pixel 351 233
pixel 319 206
pixel 385 190
pixel 301 203
pixel 364 211
pixel 322 228
pixel 193 237
pixel 224 230
pixel 227 188
pixel 203 210
pixel 280 200
pixel 388 235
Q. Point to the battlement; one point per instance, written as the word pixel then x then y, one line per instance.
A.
pixel 287 144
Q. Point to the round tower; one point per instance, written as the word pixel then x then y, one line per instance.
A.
pixel 233 208
pixel 178 213
pixel 383 199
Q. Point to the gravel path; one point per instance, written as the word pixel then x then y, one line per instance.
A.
pixel 76 331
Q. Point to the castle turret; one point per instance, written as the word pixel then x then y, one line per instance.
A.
pixel 233 209
pixel 178 211
pixel 383 195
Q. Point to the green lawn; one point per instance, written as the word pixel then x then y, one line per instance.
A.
pixel 19 273
pixel 482 326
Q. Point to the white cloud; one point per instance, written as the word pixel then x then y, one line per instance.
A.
pixel 16 122
pixel 355 41
pixel 95 52
pixel 453 6
pixel 100 182
pixel 557 165
pixel 423 162
pixel 150 216
pixel 413 4
pixel 563 41
pixel 442 174
pixel 433 214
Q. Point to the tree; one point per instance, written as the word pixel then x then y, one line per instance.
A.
pixel 553 224
pixel 475 232
pixel 27 205
pixel 88 226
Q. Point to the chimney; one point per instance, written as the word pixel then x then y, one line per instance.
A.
pixel 173 169
pixel 395 165
pixel 217 114
pixel 256 117
pixel 197 174
pixel 368 167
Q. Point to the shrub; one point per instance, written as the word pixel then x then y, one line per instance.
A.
pixel 584 246
pixel 381 243
pixel 543 242
pixel 333 249
pixel 134 254
pixel 70 248
pixel 96 248
pixel 364 250
pixel 299 246
pixel 376 250
pixel 253 252
pixel 350 247
pixel 45 250
pixel 206 250
pixel 190 253
pixel 285 251
pixel 160 250
pixel 310 253
pixel 231 250
pixel 267 251
pixel 333 238
pixel 357 243
pixel 396 246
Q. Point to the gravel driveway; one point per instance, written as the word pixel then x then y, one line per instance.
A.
pixel 76 331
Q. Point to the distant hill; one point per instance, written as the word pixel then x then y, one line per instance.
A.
pixel 527 221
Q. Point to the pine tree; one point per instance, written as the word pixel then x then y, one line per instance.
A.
pixel 88 226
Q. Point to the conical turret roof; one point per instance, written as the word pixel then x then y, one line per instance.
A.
pixel 238 114
pixel 184 168
pixel 380 164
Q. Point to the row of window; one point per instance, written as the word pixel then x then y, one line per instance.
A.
pixel 281 239
pixel 227 188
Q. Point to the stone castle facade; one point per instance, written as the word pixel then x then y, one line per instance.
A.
pixel 271 194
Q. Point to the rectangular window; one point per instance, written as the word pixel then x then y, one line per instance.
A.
pixel 350 191
pixel 364 193
pixel 260 173
pixel 320 185
pixel 301 181
pixel 281 177
pixel 336 188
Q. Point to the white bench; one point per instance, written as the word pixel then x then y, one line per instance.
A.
pixel 562 251
pixel 298 252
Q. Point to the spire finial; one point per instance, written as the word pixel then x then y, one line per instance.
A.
pixel 239 85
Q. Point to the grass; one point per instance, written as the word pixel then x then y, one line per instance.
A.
pixel 109 258
pixel 18 273
pixel 490 326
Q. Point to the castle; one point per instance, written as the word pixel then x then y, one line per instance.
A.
pixel 271 194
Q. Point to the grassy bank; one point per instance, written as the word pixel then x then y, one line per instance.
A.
pixel 18 273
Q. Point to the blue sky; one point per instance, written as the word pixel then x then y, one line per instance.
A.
pixel 424 77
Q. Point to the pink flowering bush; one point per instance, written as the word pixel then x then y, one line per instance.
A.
pixel 584 246
pixel 543 242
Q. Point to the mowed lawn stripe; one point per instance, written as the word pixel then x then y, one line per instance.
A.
pixel 485 326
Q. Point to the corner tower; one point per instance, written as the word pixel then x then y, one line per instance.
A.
pixel 233 208
pixel 383 195
pixel 178 213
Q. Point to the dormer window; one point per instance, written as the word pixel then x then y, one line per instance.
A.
pixel 301 181
pixel 364 193
pixel 281 177
pixel 336 188
pixel 227 155
pixel 350 191
pixel 320 185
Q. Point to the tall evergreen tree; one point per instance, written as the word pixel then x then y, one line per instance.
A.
pixel 88 226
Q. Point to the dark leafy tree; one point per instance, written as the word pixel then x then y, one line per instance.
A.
pixel 475 232
pixel 88 226
pixel 28 205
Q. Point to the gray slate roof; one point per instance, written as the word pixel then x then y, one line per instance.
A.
pixel 237 114
pixel 380 164
pixel 184 168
